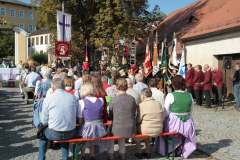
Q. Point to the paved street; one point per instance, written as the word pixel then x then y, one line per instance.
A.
pixel 217 132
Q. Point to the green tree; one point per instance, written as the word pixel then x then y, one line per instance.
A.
pixel 101 22
pixel 7 41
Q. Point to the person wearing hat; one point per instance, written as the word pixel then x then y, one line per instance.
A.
pixel 59 63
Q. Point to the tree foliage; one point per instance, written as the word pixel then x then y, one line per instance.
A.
pixel 7 41
pixel 101 22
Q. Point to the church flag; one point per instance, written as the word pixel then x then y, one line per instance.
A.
pixel 163 61
pixel 62 49
pixel 113 61
pixel 173 63
pixel 182 70
pixel 124 59
pixel 156 68
pixel 147 63
pixel 63 26
pixel 86 60
pixel 133 64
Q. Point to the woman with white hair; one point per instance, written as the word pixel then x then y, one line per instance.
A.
pixel 44 84
pixel 89 116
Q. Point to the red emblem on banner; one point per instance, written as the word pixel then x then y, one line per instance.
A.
pixel 148 67
pixel 62 48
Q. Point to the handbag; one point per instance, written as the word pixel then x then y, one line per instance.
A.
pixel 40 132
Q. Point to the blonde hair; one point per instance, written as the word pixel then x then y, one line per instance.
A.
pixel 129 82
pixel 87 89
pixel 86 78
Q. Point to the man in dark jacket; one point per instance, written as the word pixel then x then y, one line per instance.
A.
pixel 207 85
pixel 59 63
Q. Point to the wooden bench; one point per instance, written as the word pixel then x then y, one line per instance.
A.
pixel 75 141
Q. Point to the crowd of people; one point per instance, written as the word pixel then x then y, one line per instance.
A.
pixel 65 97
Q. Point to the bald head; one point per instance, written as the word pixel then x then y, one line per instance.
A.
pixel 139 77
pixel 56 76
pixel 213 69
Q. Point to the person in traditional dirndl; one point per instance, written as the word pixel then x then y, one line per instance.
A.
pixel 178 112
pixel 89 118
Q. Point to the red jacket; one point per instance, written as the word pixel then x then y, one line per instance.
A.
pixel 198 78
pixel 189 77
pixel 207 84
pixel 70 91
pixel 105 85
pixel 104 112
pixel 217 78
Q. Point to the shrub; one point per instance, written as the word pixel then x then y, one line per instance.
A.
pixel 41 58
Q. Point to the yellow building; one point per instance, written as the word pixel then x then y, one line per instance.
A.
pixel 14 11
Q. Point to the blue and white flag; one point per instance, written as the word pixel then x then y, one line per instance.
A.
pixel 182 70
pixel 63 26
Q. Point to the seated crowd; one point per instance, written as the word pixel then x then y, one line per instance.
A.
pixel 66 98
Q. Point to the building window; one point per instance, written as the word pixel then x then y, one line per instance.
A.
pixel 30 15
pixel 41 39
pixel 37 40
pixel 33 40
pixel 30 28
pixel 12 12
pixel 3 11
pixel 46 39
pixel 21 25
pixel 21 14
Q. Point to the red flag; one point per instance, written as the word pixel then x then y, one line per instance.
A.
pixel 147 64
pixel 62 48
pixel 86 64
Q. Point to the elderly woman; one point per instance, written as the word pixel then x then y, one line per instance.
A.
pixel 112 91
pixel 122 109
pixel 178 112
pixel 100 93
pixel 44 84
pixel 90 111
pixel 150 119
pixel 69 84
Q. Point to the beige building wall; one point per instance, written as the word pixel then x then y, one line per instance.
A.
pixel 26 21
pixel 206 51
pixel 22 47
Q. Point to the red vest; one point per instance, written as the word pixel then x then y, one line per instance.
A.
pixel 189 77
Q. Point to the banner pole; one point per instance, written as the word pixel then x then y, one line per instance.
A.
pixel 62 6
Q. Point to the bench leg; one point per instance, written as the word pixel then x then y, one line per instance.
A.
pixel 73 156
pixel 172 143
pixel 80 148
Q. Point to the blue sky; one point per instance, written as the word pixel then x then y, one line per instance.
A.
pixel 166 6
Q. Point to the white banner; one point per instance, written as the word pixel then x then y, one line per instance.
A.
pixel 181 70
pixel 63 26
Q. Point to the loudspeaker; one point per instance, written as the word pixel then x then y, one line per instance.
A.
pixel 98 55
pixel 227 62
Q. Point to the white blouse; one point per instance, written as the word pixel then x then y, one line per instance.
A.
pixel 169 101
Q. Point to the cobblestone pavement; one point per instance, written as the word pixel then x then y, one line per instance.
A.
pixel 217 133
